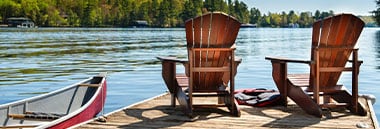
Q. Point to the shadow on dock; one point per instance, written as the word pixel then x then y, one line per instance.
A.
pixel 157 113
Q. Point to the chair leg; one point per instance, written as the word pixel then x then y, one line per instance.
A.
pixel 279 74
pixel 298 95
pixel 235 109
pixel 232 105
pixel 169 77
pixel 221 99
pixel 345 97
pixel 173 103
pixel 183 101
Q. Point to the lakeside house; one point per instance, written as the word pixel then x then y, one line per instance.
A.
pixel 140 24
pixel 293 25
pixel 248 25
pixel 21 22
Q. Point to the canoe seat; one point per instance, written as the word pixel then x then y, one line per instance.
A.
pixel 89 85
pixel 36 115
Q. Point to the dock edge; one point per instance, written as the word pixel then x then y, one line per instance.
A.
pixel 123 108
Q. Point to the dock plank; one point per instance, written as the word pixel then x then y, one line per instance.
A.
pixel 157 113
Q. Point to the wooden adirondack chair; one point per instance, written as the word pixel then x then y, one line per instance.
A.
pixel 211 64
pixel 333 41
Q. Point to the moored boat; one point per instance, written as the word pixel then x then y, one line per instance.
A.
pixel 62 108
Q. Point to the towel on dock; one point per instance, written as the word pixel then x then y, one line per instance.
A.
pixel 258 97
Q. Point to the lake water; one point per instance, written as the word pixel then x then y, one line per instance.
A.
pixel 36 61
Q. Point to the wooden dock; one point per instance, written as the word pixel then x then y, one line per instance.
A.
pixel 157 113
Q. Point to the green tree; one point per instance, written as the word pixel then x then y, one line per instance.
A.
pixel 163 15
pixel 153 13
pixel 73 19
pixel 305 19
pixel 265 21
pixel 230 6
pixel 292 17
pixel 191 8
pixel 105 14
pixel 376 13
pixel 30 9
pixel 175 13
pixel 118 13
pixel 127 8
pixel 142 11
pixel 275 19
pixel 317 15
pixel 43 15
pixel 89 15
pixel 326 14
pixel 188 11
pixel 284 19
pixel 9 8
pixel 331 13
pixel 215 5
pixel 255 16
pixel 54 19
pixel 241 11
pixel 198 6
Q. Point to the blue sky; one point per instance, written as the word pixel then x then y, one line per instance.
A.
pixel 356 7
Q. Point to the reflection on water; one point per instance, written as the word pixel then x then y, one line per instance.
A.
pixel 45 54
pixel 41 60
pixel 377 48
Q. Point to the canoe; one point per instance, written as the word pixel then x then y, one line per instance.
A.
pixel 62 108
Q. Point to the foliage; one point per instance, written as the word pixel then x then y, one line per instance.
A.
pixel 157 13
pixel 376 12
pixel 255 16
pixel 9 8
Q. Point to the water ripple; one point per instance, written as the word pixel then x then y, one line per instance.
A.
pixel 35 61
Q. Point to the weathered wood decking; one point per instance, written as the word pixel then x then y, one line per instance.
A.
pixel 157 113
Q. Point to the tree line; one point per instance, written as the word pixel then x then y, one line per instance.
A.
pixel 376 13
pixel 157 13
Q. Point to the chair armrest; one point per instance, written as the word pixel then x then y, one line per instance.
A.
pixel 360 61
pixel 238 59
pixel 171 59
pixel 286 60
pixel 184 61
